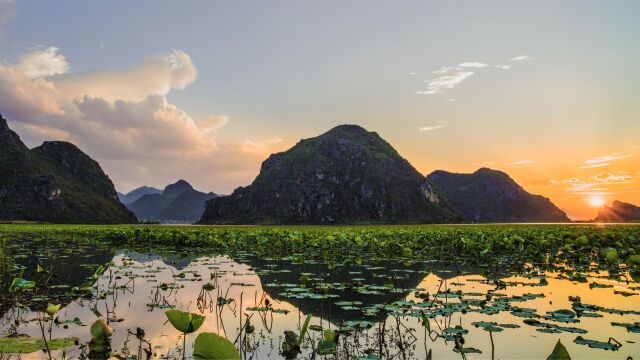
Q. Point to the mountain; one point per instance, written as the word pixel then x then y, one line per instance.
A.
pixel 492 196
pixel 54 182
pixel 619 212
pixel 346 175
pixel 178 202
pixel 136 194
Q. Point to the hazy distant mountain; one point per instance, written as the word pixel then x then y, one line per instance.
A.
pixel 346 175
pixel 492 196
pixel 619 212
pixel 54 182
pixel 179 202
pixel 136 194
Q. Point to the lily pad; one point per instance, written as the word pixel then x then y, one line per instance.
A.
pixel 214 347
pixel 185 322
pixel 26 344
pixel 19 284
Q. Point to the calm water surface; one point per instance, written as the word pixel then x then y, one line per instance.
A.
pixel 379 305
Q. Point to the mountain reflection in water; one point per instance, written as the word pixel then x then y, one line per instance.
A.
pixel 140 285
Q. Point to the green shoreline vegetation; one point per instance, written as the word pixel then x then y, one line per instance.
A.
pixel 569 244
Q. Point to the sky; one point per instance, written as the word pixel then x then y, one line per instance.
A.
pixel 547 91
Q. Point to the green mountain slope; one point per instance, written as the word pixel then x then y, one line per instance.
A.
pixel 346 175
pixel 492 196
pixel 54 182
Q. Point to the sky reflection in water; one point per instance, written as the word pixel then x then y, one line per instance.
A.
pixel 137 280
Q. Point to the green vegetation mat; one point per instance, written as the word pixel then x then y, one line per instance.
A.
pixel 575 244
pixel 363 278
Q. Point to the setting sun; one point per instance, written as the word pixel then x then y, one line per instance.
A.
pixel 596 201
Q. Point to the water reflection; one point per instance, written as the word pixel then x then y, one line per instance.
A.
pixel 139 286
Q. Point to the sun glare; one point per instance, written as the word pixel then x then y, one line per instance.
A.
pixel 596 201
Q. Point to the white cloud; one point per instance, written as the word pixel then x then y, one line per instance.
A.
pixel 451 76
pixel 212 123
pixel 609 178
pixel 124 120
pixel 593 166
pixel 580 187
pixel 572 180
pixel 602 161
pixel 42 63
pixel 520 58
pixel 598 184
pixel 428 128
pixel 520 162
pixel 606 158
pixel 473 64
pixel 25 97
pixel 157 74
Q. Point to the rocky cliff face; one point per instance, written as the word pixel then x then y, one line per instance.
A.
pixel 492 196
pixel 619 212
pixel 346 175
pixel 54 182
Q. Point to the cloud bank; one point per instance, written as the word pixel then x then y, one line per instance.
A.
pixel 598 184
pixel 124 120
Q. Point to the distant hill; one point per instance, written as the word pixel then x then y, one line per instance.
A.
pixel 619 212
pixel 179 202
pixel 136 194
pixel 54 182
pixel 492 196
pixel 346 175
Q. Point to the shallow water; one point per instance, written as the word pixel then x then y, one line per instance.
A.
pixel 379 305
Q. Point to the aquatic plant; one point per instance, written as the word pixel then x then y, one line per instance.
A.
pixel 559 353
pixel 210 346
pixel 100 344
pixel 20 284
pixel 370 283
pixel 186 323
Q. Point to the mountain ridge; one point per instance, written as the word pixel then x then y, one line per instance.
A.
pixel 619 211
pixel 488 195
pixel 137 193
pixel 54 182
pixel 178 202
pixel 345 175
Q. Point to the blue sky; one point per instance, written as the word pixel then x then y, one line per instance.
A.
pixel 278 71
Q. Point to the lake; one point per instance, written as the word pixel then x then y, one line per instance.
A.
pixel 379 307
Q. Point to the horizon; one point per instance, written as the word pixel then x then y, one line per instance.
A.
pixel 541 91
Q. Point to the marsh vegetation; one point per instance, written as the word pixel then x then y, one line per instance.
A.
pixel 384 292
